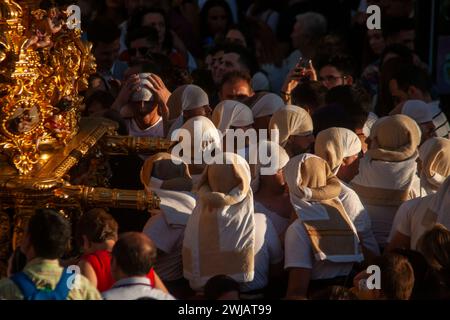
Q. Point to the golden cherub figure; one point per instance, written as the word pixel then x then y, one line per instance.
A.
pixel 44 25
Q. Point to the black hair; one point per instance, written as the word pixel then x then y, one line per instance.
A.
pixel 148 33
pixel 329 116
pixel 236 75
pixel 204 14
pixel 392 26
pixel 342 62
pixel 310 94
pixel 219 285
pixel 105 98
pixel 244 28
pixel 400 50
pixel 135 23
pixel 246 58
pixel 49 234
pixel 353 98
pixel 411 75
pixel 103 30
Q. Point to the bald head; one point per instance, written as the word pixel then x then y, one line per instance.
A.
pixel 134 254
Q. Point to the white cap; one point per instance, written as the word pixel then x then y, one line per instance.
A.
pixel 143 94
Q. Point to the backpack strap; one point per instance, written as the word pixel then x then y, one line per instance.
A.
pixel 25 285
pixel 62 288
pixel 30 292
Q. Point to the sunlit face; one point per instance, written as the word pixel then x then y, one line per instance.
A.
pixel 155 20
pixel 235 90
pixel 235 36
pixel 217 20
pixel 376 41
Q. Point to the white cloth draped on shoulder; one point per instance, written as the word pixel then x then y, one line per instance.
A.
pixel 174 189
pixel 387 173
pixel 314 192
pixel 220 235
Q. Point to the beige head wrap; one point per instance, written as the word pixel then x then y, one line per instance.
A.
pixel 219 237
pixel 198 136
pixel 291 120
pixel 314 192
pixel 394 138
pixel 275 156
pixel 266 104
pixel 186 97
pixel 335 144
pixel 165 171
pixel 230 113
pixel 168 176
pixel 435 157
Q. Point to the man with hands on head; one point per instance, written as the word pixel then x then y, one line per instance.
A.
pixel 142 101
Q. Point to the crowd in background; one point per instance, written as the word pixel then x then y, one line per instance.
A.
pixel 361 168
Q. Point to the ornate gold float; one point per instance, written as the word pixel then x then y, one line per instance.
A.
pixel 43 66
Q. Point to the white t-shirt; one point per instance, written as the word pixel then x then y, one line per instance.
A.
pixel 359 216
pixel 168 239
pixel 299 254
pixel 411 220
pixel 268 251
pixel 280 223
pixel 156 130
pixel 134 288
pixel 382 217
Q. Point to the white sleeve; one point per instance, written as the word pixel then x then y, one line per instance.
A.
pixel 273 244
pixel 402 220
pixel 164 237
pixel 360 218
pixel 297 246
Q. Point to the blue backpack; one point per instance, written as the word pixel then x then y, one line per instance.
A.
pixel 30 292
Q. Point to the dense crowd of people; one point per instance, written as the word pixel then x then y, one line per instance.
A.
pixel 358 172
